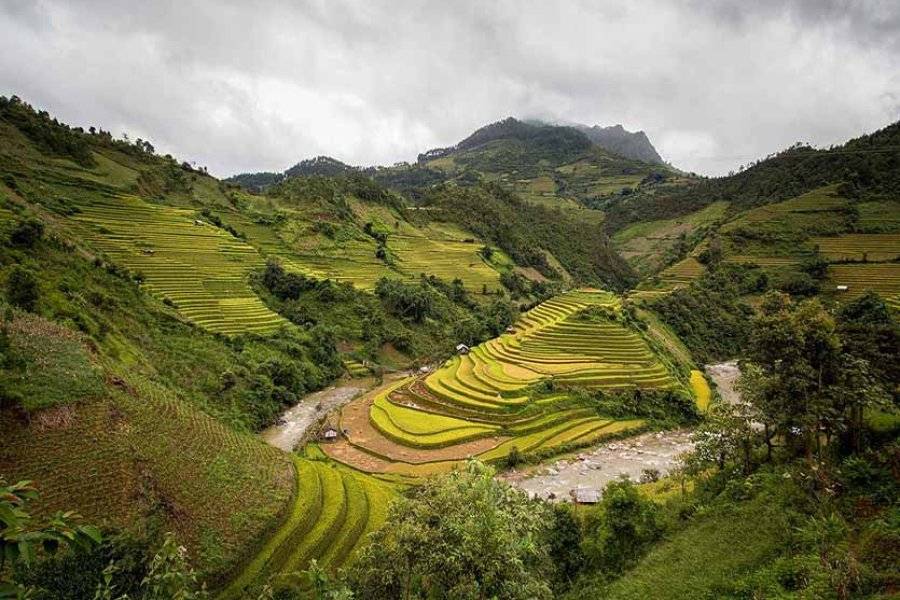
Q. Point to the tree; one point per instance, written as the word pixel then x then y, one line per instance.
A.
pixel 713 254
pixel 565 546
pixel 804 386
pixel 726 435
pixel 21 536
pixel 27 233
pixel 624 525
pixel 22 288
pixel 465 536
pixel 868 331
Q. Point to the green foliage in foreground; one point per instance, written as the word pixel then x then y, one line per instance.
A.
pixel 621 528
pixel 22 537
pixel 704 555
pixel 464 536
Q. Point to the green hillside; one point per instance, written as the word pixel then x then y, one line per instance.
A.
pixel 517 298
pixel 808 221
pixel 160 317
pixel 807 245
pixel 142 344
pixel 549 165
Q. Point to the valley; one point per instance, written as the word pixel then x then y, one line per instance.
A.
pixel 279 368
pixel 508 396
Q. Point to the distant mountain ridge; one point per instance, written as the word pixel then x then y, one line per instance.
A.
pixel 625 143
pixel 320 165
pixel 553 139
pixel 574 137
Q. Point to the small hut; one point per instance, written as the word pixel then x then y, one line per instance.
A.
pixel 583 495
pixel 330 434
pixel 462 349
pixel 842 288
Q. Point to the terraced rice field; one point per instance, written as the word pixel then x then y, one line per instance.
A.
pixel 676 276
pixel 333 511
pixel 99 456
pixel 875 247
pixel 433 250
pixel 481 404
pixel 683 272
pixel 200 268
pixel 883 278
pixel 763 261
pixel 820 210
pixel 448 259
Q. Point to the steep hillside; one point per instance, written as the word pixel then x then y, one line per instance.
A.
pixel 201 246
pixel 547 166
pixel 866 166
pixel 141 340
pixel 557 243
pixel 618 140
pixel 837 208
pixel 119 410
pixel 806 245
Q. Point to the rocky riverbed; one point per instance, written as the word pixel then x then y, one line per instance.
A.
pixel 593 468
pixel 725 376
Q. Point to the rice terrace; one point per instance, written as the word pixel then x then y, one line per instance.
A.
pixel 472 301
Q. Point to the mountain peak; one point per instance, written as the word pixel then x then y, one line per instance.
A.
pixel 619 140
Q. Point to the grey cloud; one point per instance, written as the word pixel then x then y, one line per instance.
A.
pixel 247 86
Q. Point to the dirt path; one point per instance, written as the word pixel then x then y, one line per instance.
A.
pixel 297 419
pixel 725 376
pixel 594 468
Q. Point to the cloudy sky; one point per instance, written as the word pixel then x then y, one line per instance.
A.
pixel 241 86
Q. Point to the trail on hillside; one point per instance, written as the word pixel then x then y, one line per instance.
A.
pixel 593 469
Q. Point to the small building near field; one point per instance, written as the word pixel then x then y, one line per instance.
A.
pixel 330 434
pixel 462 349
pixel 583 495
pixel 842 288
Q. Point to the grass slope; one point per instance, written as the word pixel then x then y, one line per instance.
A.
pixel 705 558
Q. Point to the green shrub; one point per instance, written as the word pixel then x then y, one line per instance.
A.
pixel 623 528
pixel 27 233
pixel 22 288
